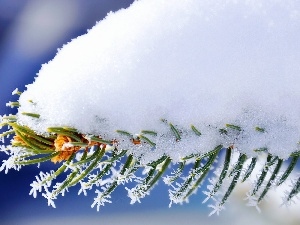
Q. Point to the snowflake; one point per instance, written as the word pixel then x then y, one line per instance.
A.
pixel 252 201
pixel 84 186
pixel 3 149
pixel 128 176
pixel 42 181
pixel 168 180
pixel 8 164
pixel 137 193
pixel 217 208
pixel 209 196
pixel 49 196
pixel 100 200
pixel 56 187
pixel 285 202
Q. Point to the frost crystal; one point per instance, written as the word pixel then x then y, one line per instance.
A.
pixel 10 163
pixel 43 181
pixel 217 208
pixel 253 201
pixel 48 195
pixel 137 193
pixel 100 200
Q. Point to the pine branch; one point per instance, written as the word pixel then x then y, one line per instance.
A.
pixel 89 160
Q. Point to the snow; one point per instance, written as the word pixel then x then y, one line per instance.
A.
pixel 206 63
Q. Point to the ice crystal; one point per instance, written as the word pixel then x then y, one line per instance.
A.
pixel 43 181
pixel 100 200
pixel 137 193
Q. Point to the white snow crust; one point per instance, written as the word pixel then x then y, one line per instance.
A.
pixel 201 62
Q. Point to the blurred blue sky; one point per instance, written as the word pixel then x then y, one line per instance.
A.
pixel 30 33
